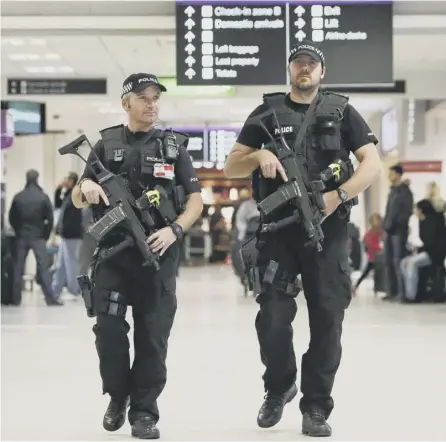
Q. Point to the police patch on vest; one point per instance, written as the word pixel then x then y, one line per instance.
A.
pixel 284 130
pixel 153 159
pixel 118 154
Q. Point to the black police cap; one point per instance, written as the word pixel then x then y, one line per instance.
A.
pixel 307 48
pixel 138 82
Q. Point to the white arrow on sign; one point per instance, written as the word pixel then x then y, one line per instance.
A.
pixel 300 23
pixel 300 35
pixel 299 10
pixel 190 73
pixel 190 48
pixel 190 61
pixel 189 11
pixel 189 36
pixel 189 23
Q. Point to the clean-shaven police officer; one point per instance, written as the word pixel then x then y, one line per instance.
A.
pixel 137 151
pixel 325 275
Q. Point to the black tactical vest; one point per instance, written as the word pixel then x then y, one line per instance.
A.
pixel 321 145
pixel 137 162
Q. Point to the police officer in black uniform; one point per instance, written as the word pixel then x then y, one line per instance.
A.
pixel 138 153
pixel 283 254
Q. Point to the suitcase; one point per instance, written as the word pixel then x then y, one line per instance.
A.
pixel 379 274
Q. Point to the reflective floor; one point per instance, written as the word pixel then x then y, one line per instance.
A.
pixel 391 384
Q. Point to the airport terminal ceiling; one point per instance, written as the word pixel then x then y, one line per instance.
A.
pixel 34 54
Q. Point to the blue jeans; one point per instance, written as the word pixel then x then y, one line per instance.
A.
pixel 67 267
pixel 410 269
pixel 395 251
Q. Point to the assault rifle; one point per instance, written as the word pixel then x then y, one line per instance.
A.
pixel 121 211
pixel 304 195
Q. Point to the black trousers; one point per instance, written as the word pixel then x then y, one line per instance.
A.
pixel 38 245
pixel 152 297
pixel 327 289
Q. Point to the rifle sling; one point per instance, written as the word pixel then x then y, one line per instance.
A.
pixel 303 128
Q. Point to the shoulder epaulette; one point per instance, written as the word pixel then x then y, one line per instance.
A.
pixel 181 138
pixel 274 99
pixel 118 126
pixel 272 94
pixel 346 97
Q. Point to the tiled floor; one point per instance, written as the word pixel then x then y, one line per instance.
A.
pixel 391 384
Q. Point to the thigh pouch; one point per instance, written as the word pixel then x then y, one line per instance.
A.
pixel 275 279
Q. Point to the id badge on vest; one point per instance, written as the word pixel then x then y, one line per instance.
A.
pixel 164 170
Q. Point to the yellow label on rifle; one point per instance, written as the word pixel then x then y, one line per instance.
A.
pixel 154 197
pixel 336 169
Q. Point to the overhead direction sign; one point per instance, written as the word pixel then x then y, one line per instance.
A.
pixel 56 86
pixel 247 43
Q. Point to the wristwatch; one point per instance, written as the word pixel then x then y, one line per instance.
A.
pixel 343 195
pixel 177 230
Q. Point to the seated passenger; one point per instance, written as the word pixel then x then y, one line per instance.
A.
pixel 433 236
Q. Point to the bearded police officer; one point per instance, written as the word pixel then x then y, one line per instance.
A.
pixel 282 255
pixel 147 157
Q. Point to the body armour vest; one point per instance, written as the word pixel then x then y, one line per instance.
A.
pixel 321 145
pixel 146 163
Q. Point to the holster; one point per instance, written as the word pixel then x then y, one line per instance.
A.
pixel 249 254
pixel 86 286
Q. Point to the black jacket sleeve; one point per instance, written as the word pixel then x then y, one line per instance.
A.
pixel 57 199
pixel 48 215
pixel 13 215
pixel 399 210
pixel 404 207
pixel 185 173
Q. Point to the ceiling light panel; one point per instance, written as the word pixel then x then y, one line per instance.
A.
pixel 37 41
pixel 49 69
pixel 13 41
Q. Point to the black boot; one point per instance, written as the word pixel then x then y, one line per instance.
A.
pixel 271 411
pixel 145 428
pixel 314 424
pixel 114 417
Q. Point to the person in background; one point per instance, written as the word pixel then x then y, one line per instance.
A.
pixel 396 225
pixel 244 194
pixel 434 196
pixel 31 217
pixel 70 229
pixel 247 220
pixel 433 235
pixel 373 244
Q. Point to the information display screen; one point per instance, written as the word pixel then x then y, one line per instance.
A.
pixel 247 43
pixel 29 117
pixel 209 146
pixel 221 142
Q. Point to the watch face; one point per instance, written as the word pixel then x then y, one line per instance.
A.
pixel 177 230
pixel 342 195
